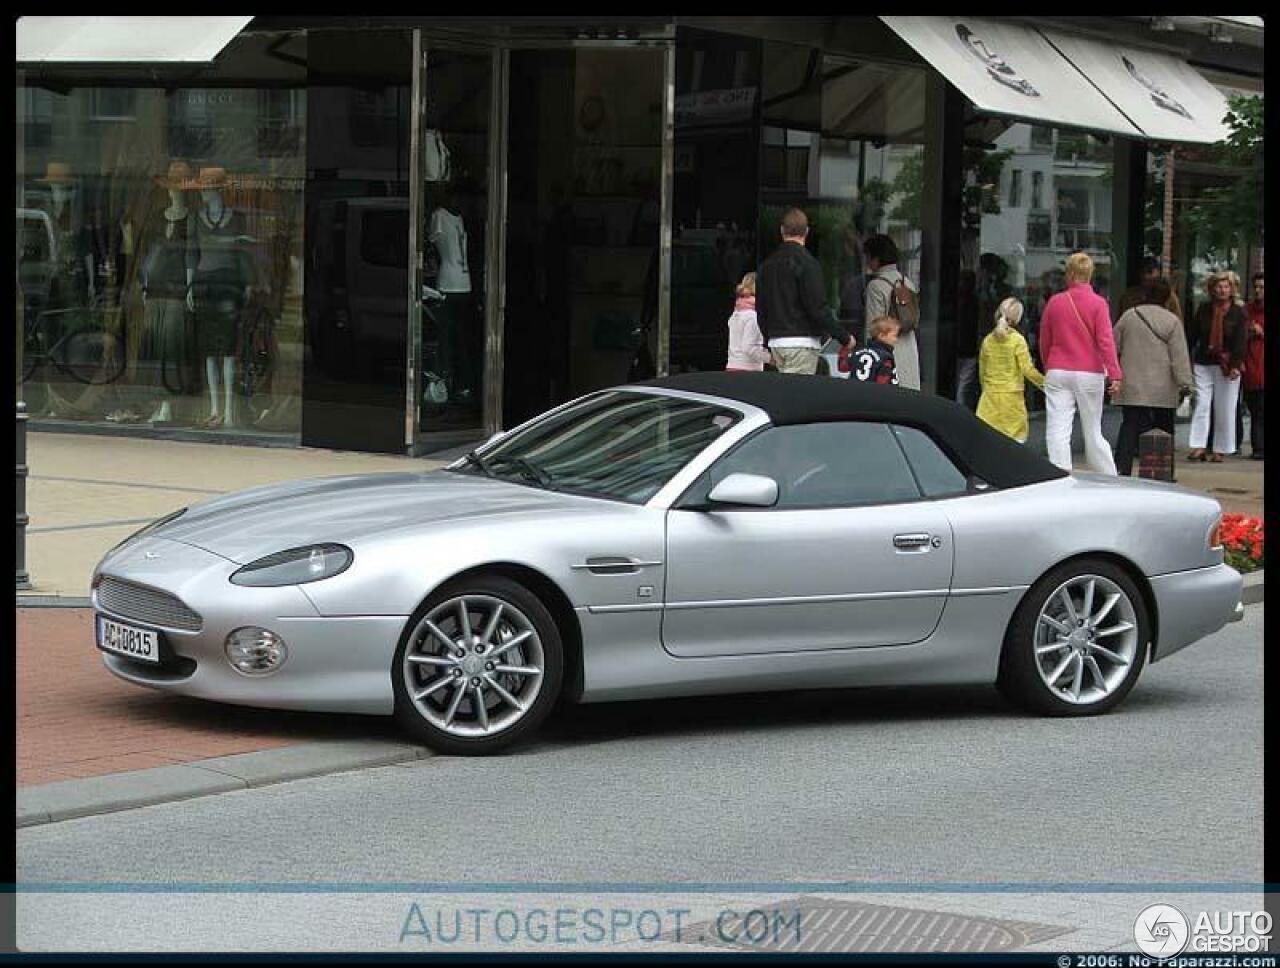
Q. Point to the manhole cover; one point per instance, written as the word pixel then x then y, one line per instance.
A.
pixel 818 924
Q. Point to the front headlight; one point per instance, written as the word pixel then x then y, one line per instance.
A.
pixel 295 566
pixel 153 526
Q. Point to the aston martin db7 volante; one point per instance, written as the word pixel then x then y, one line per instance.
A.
pixel 698 534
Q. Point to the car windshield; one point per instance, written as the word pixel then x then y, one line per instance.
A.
pixel 619 445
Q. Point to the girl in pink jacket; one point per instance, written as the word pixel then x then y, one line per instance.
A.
pixel 1079 356
pixel 746 344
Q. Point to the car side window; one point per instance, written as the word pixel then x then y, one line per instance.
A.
pixel 837 464
pixel 937 474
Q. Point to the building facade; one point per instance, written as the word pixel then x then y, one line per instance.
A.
pixel 401 234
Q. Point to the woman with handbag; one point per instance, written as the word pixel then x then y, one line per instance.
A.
pixel 1152 348
pixel 1217 338
pixel 1079 357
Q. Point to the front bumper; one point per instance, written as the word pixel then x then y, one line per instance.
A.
pixel 335 663
pixel 1194 604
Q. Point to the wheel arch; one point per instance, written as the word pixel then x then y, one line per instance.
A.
pixel 1129 568
pixel 557 603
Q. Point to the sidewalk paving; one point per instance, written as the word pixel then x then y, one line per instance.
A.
pixel 88 742
pixel 86 493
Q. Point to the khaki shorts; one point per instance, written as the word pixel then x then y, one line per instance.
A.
pixel 795 359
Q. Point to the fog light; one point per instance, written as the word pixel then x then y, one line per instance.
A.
pixel 255 652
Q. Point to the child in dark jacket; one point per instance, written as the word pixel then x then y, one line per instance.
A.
pixel 874 363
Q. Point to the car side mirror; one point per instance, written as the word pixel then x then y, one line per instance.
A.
pixel 751 490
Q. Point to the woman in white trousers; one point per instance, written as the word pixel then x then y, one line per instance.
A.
pixel 1217 336
pixel 1067 392
pixel 1079 356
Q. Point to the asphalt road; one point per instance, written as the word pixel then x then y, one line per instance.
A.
pixel 850 785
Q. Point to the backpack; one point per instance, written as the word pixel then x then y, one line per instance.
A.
pixel 904 304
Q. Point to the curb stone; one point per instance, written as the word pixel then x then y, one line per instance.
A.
pixel 70 799
pixel 1252 593
pixel 38 600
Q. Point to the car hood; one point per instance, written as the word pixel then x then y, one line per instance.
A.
pixel 247 525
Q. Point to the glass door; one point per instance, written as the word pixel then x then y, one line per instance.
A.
pixel 453 221
pixel 583 254
pixel 357 257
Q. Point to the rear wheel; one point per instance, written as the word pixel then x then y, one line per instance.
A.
pixel 1077 642
pixel 479 668
pixel 92 357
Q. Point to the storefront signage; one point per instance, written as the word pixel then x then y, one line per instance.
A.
pixel 716 107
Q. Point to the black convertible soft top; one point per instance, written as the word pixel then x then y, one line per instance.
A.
pixel 790 398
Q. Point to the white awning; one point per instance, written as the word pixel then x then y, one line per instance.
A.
pixel 124 40
pixel 1010 69
pixel 1166 98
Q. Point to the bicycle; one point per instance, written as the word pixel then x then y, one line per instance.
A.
pixel 256 350
pixel 90 354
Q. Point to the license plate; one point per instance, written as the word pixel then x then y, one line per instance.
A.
pixel 128 641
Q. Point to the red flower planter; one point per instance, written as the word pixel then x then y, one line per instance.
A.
pixel 1243 542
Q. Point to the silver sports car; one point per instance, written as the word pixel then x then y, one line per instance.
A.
pixel 706 533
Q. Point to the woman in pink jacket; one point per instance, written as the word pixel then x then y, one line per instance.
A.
pixel 1079 357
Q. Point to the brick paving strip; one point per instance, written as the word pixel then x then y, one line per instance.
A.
pixel 89 743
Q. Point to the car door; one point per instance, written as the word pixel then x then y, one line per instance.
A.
pixel 852 555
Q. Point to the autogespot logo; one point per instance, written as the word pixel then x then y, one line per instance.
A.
pixel 1161 931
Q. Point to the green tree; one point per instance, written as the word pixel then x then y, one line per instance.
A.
pixel 1227 217
pixel 983 196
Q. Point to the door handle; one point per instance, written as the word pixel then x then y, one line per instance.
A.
pixel 915 542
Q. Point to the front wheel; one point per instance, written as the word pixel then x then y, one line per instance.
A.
pixel 479 668
pixel 1077 641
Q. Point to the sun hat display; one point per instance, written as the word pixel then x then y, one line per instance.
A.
pixel 209 178
pixel 178 175
pixel 56 173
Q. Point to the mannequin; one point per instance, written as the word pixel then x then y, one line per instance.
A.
pixel 220 288
pixel 447 232
pixel 71 286
pixel 168 271
pixel 73 282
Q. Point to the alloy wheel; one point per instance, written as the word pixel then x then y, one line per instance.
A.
pixel 1086 639
pixel 474 666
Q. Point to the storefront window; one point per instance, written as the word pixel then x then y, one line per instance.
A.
pixel 1016 243
pixel 584 169
pixel 359 98
pixel 872 171
pixel 455 173
pixel 160 264
pixel 762 127
pixel 1209 219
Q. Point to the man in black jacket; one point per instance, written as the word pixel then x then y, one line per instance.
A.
pixel 791 301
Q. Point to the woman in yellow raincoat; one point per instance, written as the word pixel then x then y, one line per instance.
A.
pixel 1004 363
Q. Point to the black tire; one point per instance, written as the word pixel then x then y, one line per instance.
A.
pixel 1019 678
pixel 416 725
pixel 92 357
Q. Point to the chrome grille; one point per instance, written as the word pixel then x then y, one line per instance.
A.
pixel 149 606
